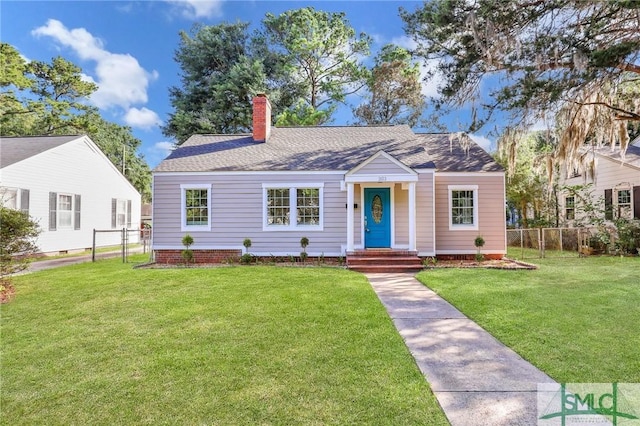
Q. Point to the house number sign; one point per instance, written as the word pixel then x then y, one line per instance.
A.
pixel 376 209
pixel 382 178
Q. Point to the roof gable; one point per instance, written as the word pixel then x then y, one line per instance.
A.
pixel 380 164
pixel 16 149
pixel 629 158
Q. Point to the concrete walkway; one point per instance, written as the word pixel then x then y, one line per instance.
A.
pixel 41 265
pixel 476 379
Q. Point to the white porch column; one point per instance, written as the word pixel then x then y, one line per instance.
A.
pixel 350 199
pixel 412 216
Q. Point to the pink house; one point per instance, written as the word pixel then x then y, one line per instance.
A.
pixel 351 191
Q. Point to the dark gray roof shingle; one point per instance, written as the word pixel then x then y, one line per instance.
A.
pixel 323 148
pixel 16 149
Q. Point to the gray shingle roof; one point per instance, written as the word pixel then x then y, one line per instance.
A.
pixel 323 148
pixel 16 149
pixel 631 157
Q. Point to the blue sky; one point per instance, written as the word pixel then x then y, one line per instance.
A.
pixel 127 47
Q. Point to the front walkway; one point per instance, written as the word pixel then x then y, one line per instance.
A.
pixel 476 379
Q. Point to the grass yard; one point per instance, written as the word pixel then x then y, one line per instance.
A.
pixel 576 319
pixel 104 344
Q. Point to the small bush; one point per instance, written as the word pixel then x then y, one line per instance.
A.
pixel 246 258
pixel 187 253
pixel 247 244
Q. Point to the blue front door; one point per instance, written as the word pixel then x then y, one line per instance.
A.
pixel 377 217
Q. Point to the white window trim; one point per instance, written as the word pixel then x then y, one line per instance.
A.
pixel 293 210
pixel 7 194
pixel 183 210
pixel 59 225
pixel 457 227
pixel 616 202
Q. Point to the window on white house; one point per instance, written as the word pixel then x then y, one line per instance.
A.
pixel 196 207
pixel 65 211
pixel 120 213
pixel 463 207
pixel 284 211
pixel 16 199
pixel 570 208
pixel 624 203
pixel 10 198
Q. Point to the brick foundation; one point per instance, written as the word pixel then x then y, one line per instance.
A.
pixel 199 256
pixel 488 256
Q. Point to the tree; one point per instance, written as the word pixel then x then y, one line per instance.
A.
pixel 540 57
pixel 51 99
pixel 529 187
pixel 322 51
pixel 120 146
pixel 394 90
pixel 218 81
pixel 17 242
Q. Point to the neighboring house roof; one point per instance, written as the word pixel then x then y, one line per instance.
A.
pixel 16 149
pixel 631 157
pixel 323 148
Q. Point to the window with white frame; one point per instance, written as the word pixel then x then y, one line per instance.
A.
pixel 624 203
pixel 10 198
pixel 463 207
pixel 196 207
pixel 65 211
pixel 291 207
pixel 14 198
pixel 570 207
pixel 120 213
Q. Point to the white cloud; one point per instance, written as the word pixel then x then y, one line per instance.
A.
pixel 164 147
pixel 142 118
pixel 158 152
pixel 484 142
pixel 195 9
pixel 430 88
pixel 121 80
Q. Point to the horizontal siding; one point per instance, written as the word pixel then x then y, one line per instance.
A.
pixel 491 215
pixel 73 168
pixel 237 213
pixel 425 241
pixel 610 174
pixel 381 166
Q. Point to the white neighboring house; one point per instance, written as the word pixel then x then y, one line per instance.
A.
pixel 69 187
pixel 616 180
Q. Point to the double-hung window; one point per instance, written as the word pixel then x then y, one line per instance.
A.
pixel 463 207
pixel 64 211
pixel 16 199
pixel 120 213
pixel 570 207
pixel 196 207
pixel 293 207
pixel 624 203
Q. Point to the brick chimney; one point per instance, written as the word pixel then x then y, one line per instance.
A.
pixel 261 118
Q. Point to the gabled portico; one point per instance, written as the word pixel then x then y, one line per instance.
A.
pixel 372 185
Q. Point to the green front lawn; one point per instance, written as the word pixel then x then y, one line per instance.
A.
pixel 576 319
pixel 104 344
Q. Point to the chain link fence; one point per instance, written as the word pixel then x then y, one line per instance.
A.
pixel 122 240
pixel 548 242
